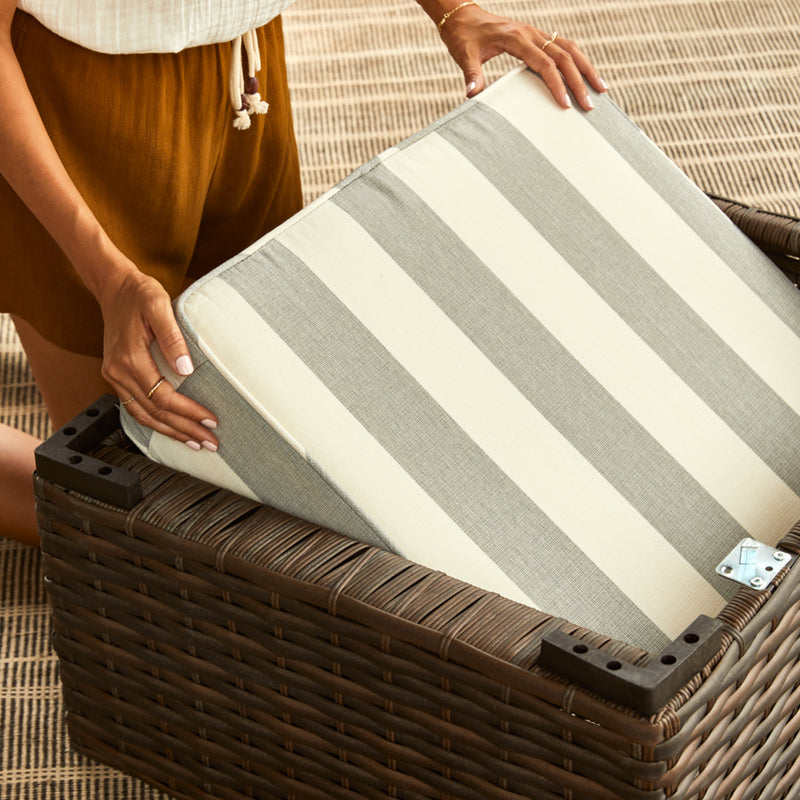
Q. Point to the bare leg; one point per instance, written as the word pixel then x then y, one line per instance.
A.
pixel 68 382
pixel 18 520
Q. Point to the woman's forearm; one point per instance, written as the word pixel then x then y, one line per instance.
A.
pixel 31 165
pixel 136 308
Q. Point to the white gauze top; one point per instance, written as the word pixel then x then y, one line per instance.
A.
pixel 151 26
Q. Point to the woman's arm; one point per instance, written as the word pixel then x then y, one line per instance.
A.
pixel 473 36
pixel 136 309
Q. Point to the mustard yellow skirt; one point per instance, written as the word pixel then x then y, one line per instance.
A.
pixel 149 142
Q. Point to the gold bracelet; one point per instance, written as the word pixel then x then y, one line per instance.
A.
pixel 453 11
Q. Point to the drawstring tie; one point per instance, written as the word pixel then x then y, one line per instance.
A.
pixel 245 98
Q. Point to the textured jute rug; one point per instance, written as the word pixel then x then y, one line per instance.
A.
pixel 715 84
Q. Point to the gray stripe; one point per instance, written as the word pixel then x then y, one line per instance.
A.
pixel 435 451
pixel 270 467
pixel 739 253
pixel 137 433
pixel 260 457
pixel 630 286
pixel 545 372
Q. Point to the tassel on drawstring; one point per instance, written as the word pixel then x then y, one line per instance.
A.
pixel 239 102
pixel 255 104
pixel 245 97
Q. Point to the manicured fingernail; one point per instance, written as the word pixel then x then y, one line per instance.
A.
pixel 603 84
pixel 209 423
pixel 193 445
pixel 209 446
pixel 471 87
pixel 567 101
pixel 589 102
pixel 183 365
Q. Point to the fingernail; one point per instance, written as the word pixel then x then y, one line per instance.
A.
pixel 183 365
pixel 209 446
pixel 193 445
pixel 603 84
pixel 471 87
pixel 209 423
pixel 567 101
pixel 589 102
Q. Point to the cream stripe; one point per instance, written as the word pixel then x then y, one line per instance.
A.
pixel 204 464
pixel 335 442
pixel 499 419
pixel 554 293
pixel 658 234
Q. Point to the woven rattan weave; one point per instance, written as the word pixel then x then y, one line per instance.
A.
pixel 215 647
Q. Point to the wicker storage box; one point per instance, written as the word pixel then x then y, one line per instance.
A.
pixel 215 647
pixel 481 353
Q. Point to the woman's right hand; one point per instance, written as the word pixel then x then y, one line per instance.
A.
pixel 137 311
pixel 473 36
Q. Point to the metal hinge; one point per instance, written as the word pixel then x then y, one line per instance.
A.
pixel 753 564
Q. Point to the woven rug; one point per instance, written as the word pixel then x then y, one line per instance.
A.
pixel 715 84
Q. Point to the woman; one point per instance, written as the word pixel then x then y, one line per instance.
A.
pixel 124 180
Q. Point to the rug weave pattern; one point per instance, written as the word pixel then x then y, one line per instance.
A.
pixel 714 84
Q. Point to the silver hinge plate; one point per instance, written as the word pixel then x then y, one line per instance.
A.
pixel 754 564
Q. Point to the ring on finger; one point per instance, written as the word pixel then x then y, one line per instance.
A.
pixel 156 385
pixel 124 403
pixel 551 40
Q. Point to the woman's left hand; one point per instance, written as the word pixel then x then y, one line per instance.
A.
pixel 473 36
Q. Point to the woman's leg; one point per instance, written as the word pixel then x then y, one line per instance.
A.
pixel 68 382
pixel 18 519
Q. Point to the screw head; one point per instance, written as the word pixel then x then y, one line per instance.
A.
pixel 756 582
pixel 727 570
pixel 779 555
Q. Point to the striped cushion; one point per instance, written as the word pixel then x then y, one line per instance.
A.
pixel 520 348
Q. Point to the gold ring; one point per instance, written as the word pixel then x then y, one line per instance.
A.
pixel 152 391
pixel 553 37
pixel 123 403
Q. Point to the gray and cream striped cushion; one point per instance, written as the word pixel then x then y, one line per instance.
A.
pixel 521 348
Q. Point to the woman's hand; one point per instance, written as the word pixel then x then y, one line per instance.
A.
pixel 473 36
pixel 136 311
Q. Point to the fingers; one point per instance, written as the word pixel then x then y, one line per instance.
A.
pixel 561 64
pixel 565 63
pixel 173 414
pixel 473 36
pixel 139 312
pixel 586 68
pixel 475 81
pixel 467 54
pixel 170 339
